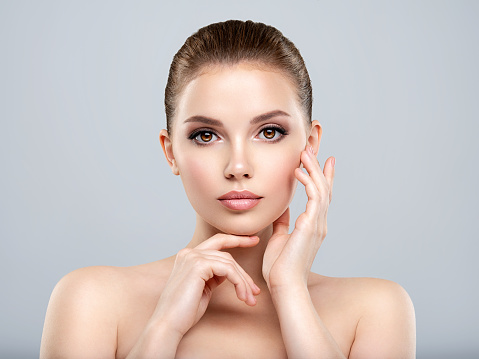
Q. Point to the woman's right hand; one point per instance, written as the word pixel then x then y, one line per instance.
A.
pixel 197 272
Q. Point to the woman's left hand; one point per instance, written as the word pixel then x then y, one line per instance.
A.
pixel 288 257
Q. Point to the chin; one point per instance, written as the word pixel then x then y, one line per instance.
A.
pixel 246 223
pixel 238 229
pixel 245 226
pixel 241 232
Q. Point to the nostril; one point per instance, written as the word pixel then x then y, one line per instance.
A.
pixel 238 166
pixel 237 175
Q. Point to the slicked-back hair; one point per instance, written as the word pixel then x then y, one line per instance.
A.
pixel 232 42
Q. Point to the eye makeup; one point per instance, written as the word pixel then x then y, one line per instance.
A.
pixel 272 129
pixel 270 133
pixel 202 136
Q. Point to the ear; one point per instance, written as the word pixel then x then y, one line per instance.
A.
pixel 314 138
pixel 168 151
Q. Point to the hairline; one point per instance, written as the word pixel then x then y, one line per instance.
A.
pixel 213 66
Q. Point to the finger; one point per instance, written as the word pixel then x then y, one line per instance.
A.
pixel 329 174
pixel 312 206
pixel 322 179
pixel 281 225
pixel 213 269
pixel 252 288
pixel 311 164
pixel 214 272
pixel 223 241
pixel 214 282
pixel 229 271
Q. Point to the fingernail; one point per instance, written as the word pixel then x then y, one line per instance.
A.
pixel 333 162
pixel 311 150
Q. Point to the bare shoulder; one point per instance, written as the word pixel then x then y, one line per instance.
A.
pixel 99 283
pixel 89 282
pixel 382 309
pixel 364 292
pixel 105 287
pixel 368 291
pixel 86 306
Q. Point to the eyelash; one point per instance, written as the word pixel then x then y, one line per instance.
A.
pixel 276 128
pixel 198 132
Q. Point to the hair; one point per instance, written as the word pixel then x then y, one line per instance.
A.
pixel 229 43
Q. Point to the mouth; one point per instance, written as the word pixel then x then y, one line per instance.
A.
pixel 239 200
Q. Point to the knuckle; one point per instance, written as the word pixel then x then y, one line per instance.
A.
pixel 314 196
pixel 228 256
pixel 182 253
pixel 196 260
pixel 208 291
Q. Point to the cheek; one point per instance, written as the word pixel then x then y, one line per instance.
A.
pixel 281 174
pixel 197 176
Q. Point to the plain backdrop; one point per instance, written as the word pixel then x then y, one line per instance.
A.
pixel 84 182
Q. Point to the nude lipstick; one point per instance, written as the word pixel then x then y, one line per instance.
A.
pixel 239 200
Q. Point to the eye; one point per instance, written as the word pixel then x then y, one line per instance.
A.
pixel 203 137
pixel 272 133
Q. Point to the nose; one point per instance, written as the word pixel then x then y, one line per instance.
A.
pixel 239 163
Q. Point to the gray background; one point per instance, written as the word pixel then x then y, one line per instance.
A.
pixel 84 182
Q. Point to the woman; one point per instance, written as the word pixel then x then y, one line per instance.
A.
pixel 238 106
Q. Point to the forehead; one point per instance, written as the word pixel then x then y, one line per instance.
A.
pixel 238 93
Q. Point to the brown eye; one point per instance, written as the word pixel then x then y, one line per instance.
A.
pixel 269 133
pixel 203 137
pixel 206 136
pixel 272 134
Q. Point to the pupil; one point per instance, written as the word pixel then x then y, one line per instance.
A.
pixel 269 133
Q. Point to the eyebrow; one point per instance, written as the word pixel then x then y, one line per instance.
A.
pixel 260 118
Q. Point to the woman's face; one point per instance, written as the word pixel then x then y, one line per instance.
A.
pixel 238 129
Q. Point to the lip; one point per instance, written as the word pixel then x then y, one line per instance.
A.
pixel 239 200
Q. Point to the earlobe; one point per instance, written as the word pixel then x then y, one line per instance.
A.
pixel 314 138
pixel 167 146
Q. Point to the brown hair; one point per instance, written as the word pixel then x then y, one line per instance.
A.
pixel 231 42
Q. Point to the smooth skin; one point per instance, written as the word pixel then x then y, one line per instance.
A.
pixel 242 287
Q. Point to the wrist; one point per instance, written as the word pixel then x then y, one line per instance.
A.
pixel 157 340
pixel 287 285
pixel 161 329
pixel 289 293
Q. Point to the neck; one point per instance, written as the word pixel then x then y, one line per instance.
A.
pixel 250 259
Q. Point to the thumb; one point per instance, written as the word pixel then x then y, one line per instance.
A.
pixel 281 225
